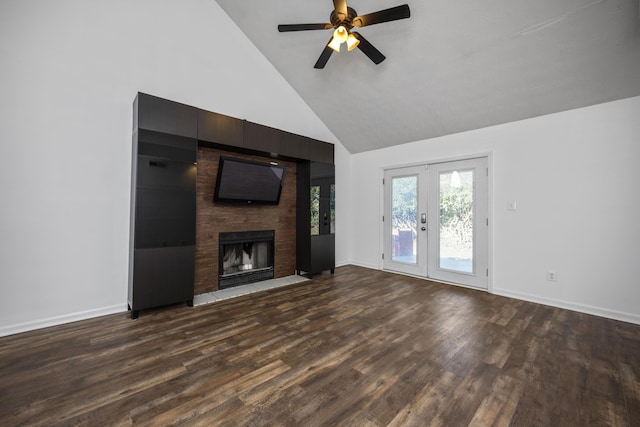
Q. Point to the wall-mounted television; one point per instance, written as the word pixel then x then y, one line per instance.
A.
pixel 248 182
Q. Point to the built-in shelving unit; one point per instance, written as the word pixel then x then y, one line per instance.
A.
pixel 166 137
pixel 315 218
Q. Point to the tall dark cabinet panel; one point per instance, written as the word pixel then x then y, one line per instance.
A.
pixel 163 204
pixel 315 218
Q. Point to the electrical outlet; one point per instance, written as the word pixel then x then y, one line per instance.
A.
pixel 552 276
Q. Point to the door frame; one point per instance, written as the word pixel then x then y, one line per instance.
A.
pixel 431 161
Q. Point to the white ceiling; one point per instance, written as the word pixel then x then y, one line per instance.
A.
pixel 453 65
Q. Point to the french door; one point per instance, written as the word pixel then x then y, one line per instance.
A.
pixel 436 221
pixel 405 220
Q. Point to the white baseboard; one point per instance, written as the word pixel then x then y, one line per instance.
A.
pixel 568 305
pixel 83 315
pixel 364 264
pixel 581 308
pixel 60 320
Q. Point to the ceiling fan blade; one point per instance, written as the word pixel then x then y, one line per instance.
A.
pixel 303 27
pixel 386 15
pixel 367 48
pixel 340 6
pixel 324 56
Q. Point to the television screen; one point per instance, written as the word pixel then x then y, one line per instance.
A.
pixel 243 181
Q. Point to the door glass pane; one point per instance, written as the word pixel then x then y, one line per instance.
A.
pixel 404 221
pixel 456 221
pixel 332 208
pixel 315 210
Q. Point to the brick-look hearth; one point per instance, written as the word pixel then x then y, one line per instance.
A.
pixel 213 218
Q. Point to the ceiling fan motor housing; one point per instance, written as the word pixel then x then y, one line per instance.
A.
pixel 338 19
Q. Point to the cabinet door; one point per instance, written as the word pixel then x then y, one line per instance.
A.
pixel 165 217
pixel 322 193
pixel 220 129
pixel 162 276
pixel 158 172
pixel 323 212
pixel 323 253
pixel 162 115
pixel 322 215
pixel 262 138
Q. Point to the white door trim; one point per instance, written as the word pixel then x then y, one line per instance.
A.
pixel 433 161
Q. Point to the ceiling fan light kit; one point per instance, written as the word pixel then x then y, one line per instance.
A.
pixel 343 19
pixel 340 35
pixel 352 42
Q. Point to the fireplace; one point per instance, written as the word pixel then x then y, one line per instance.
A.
pixel 245 257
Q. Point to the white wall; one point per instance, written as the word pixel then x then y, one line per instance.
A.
pixel 70 71
pixel 575 178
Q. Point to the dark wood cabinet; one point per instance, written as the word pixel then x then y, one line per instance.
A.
pixel 167 121
pixel 163 202
pixel 220 129
pixel 161 115
pixel 166 136
pixel 263 138
pixel 296 147
pixel 277 142
pixel 321 153
pixel 315 218
pixel 162 276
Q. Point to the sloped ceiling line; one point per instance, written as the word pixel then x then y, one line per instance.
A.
pixel 537 58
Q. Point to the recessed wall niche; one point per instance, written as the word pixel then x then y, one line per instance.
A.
pixel 214 218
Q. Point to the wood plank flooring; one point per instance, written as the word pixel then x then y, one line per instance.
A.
pixel 360 348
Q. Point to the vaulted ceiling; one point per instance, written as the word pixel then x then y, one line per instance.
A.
pixel 452 66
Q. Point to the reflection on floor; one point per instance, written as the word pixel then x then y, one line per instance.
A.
pixel 464 265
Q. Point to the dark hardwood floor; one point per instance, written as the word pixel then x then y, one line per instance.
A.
pixel 362 347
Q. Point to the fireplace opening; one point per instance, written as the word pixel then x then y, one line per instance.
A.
pixel 245 257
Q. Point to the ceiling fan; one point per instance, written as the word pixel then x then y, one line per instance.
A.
pixel 343 19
